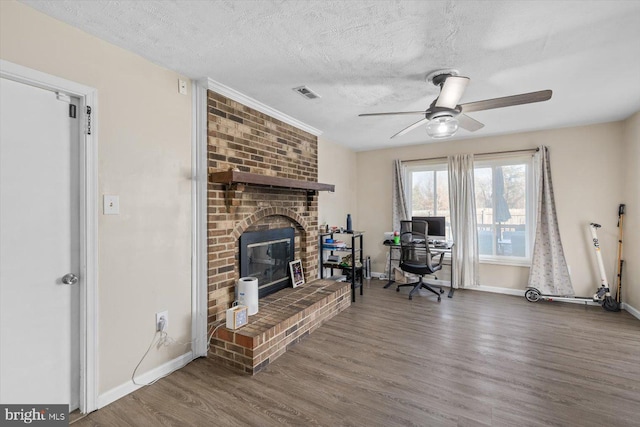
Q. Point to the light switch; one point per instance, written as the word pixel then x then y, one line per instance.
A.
pixel 182 86
pixel 111 205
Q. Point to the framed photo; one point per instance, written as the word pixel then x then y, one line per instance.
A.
pixel 297 276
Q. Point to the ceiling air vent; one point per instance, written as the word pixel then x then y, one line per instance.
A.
pixel 306 92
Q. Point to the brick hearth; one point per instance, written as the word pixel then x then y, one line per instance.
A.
pixel 283 319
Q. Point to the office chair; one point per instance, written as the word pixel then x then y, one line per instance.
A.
pixel 415 257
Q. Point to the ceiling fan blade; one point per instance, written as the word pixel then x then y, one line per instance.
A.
pixel 466 122
pixel 452 91
pixel 411 127
pixel 507 101
pixel 397 113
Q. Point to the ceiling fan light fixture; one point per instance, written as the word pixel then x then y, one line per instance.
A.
pixel 442 127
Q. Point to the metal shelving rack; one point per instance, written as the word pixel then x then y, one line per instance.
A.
pixel 354 247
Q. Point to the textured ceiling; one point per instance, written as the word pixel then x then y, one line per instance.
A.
pixel 373 56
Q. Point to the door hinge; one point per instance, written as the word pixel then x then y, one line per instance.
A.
pixel 88 131
pixel 63 97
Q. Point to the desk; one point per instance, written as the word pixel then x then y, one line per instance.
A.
pixel 435 250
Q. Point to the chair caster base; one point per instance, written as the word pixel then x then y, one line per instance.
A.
pixel 439 298
pixel 397 289
pixel 441 291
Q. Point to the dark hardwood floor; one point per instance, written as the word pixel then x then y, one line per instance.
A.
pixel 478 359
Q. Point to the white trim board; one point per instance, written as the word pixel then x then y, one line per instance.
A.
pixel 257 105
pixel 497 290
pixel 122 390
pixel 88 96
pixel 199 175
pixel 632 310
pixel 520 293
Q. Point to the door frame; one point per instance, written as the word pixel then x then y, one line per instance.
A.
pixel 199 260
pixel 87 96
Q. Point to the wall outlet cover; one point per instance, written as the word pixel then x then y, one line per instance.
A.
pixel 161 315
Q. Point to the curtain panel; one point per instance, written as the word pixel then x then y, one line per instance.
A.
pixel 463 221
pixel 549 272
pixel 400 210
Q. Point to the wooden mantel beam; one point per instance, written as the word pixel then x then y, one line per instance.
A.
pixel 236 177
pixel 235 181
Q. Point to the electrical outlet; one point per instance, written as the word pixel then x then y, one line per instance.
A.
pixel 160 316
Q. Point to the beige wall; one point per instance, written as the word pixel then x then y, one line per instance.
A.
pixel 587 177
pixel 337 165
pixel 631 188
pixel 144 156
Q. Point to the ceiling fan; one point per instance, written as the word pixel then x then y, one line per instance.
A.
pixel 445 115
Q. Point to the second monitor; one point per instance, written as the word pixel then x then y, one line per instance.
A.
pixel 436 226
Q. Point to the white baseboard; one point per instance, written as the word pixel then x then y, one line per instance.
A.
pixel 520 293
pixel 129 387
pixel 634 311
pixel 497 290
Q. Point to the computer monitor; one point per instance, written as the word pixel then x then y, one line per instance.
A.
pixel 436 226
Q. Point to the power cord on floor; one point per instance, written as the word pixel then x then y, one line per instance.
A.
pixel 164 340
pixel 211 335
pixel 133 375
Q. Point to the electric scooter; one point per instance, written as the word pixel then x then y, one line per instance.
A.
pixel 602 296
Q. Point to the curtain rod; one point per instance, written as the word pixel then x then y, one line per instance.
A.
pixel 528 150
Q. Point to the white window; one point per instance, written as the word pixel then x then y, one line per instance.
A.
pixel 505 204
pixel 427 187
pixel 504 208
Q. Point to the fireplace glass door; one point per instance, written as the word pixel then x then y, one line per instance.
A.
pixel 265 255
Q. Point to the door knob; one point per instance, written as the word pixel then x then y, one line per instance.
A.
pixel 70 279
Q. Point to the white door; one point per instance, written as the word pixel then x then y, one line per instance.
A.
pixel 39 246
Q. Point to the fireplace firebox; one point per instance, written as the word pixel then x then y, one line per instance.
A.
pixel 265 255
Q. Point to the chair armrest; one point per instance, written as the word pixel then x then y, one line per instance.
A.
pixel 435 255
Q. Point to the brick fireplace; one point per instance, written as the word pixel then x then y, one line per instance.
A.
pixel 245 140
